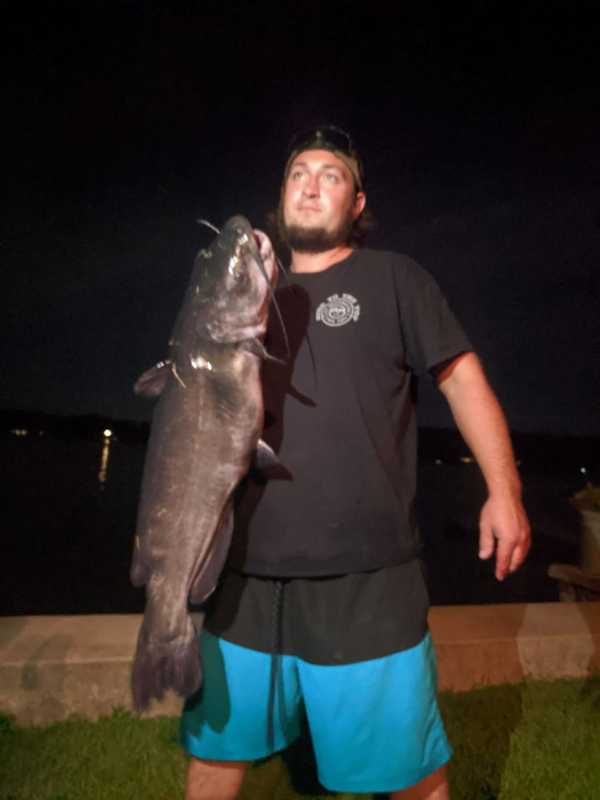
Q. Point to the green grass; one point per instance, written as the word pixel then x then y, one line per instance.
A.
pixel 531 741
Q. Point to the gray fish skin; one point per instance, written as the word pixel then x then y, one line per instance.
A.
pixel 205 430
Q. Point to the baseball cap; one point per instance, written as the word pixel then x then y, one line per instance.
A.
pixel 328 137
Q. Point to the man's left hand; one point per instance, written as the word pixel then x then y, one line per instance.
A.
pixel 504 526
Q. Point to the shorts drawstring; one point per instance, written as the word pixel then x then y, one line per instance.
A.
pixel 275 660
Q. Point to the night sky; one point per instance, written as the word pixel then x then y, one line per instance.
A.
pixel 479 127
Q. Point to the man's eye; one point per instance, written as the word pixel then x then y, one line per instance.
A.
pixel 332 177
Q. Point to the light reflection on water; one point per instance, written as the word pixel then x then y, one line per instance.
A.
pixel 103 472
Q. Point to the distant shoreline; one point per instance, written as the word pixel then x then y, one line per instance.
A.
pixel 566 451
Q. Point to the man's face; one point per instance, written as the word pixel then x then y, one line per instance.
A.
pixel 319 202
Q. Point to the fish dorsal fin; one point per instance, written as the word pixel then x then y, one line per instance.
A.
pixel 257 347
pixel 153 380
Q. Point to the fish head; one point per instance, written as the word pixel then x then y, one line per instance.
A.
pixel 233 284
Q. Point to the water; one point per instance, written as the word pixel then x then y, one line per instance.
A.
pixel 69 511
pixel 68 534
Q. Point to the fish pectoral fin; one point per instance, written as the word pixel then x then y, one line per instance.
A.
pixel 153 380
pixel 205 580
pixel 257 347
pixel 140 568
pixel 268 464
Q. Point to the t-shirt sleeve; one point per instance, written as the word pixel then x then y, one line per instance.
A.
pixel 432 334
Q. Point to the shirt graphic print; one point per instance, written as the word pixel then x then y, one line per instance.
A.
pixel 338 310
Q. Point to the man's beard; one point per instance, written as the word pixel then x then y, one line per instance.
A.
pixel 318 240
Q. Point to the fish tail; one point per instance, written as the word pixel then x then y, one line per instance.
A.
pixel 160 666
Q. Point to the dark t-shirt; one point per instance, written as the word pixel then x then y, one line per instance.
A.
pixel 341 416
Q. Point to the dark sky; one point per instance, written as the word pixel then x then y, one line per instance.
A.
pixel 479 128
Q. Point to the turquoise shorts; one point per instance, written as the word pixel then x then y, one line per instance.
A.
pixel 375 725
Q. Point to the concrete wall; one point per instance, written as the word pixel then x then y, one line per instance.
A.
pixel 55 666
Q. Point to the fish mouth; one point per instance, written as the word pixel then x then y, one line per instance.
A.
pixel 236 307
pixel 247 247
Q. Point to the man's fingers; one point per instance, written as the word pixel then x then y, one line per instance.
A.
pixel 264 244
pixel 510 556
pixel 504 553
pixel 486 540
pixel 518 556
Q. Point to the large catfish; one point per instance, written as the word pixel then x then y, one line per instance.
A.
pixel 205 432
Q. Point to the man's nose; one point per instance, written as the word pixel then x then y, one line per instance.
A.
pixel 311 186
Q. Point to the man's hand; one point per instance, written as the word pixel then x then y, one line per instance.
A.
pixel 503 526
pixel 266 251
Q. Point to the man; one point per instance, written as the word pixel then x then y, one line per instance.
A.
pixel 323 606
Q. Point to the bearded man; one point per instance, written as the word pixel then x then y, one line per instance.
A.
pixel 323 608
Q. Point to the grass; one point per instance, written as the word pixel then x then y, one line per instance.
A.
pixel 529 741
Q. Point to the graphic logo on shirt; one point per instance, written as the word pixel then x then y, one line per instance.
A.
pixel 338 310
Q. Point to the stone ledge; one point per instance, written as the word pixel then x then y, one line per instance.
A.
pixel 54 666
pixel 482 645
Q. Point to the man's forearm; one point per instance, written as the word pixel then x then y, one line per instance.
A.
pixel 481 421
pixel 503 524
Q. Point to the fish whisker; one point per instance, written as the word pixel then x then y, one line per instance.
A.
pixel 208 225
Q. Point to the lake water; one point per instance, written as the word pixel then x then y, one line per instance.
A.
pixel 69 513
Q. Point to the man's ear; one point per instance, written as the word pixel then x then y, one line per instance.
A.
pixel 360 201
